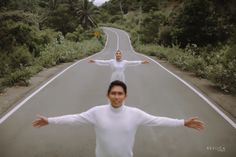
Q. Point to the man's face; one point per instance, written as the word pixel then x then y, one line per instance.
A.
pixel 116 96
pixel 118 55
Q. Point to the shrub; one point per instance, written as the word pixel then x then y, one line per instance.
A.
pixel 165 37
pixel 223 70
pixel 20 57
pixel 4 64
pixel 20 77
pixel 67 51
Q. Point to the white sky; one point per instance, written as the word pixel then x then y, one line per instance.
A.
pixel 99 2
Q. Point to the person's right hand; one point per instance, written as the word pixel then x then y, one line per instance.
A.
pixel 91 61
pixel 145 62
pixel 40 121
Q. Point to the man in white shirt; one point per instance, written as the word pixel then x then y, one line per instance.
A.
pixel 116 124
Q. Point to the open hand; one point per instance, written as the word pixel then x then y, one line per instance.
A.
pixel 91 61
pixel 145 62
pixel 194 123
pixel 40 121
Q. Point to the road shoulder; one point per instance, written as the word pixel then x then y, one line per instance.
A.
pixel 224 101
pixel 15 94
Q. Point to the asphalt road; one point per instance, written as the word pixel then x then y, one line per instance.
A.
pixel 150 88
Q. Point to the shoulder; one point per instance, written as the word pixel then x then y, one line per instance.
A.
pixel 134 110
pixel 99 108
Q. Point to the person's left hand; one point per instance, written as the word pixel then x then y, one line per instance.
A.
pixel 194 123
pixel 40 121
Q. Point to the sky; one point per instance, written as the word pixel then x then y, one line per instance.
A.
pixel 99 2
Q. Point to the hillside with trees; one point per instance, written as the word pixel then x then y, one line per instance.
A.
pixel 196 36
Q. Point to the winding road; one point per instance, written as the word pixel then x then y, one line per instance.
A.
pixel 150 88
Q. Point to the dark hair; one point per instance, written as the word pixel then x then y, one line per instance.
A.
pixel 118 51
pixel 117 83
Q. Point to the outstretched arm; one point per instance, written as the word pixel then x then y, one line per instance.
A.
pixel 134 63
pixel 150 120
pixel 79 119
pixel 101 62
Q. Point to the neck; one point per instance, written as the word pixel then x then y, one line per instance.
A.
pixel 117 109
pixel 116 106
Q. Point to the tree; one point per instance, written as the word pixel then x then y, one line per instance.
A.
pixel 85 12
pixel 195 24
pixel 149 28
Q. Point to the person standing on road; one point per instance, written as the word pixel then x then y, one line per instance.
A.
pixel 118 65
pixel 116 124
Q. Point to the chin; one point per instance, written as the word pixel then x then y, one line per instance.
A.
pixel 117 105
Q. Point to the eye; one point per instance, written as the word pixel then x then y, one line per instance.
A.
pixel 113 93
pixel 120 93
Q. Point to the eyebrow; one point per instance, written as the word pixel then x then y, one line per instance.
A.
pixel 116 92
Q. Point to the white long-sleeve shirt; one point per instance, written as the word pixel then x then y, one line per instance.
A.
pixel 115 128
pixel 118 68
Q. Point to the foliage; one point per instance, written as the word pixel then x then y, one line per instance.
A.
pixel 150 27
pixel 86 12
pixel 20 76
pixel 199 23
pixel 219 68
pixel 67 51
pixel 32 36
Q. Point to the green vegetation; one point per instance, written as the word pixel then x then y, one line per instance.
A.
pixel 47 34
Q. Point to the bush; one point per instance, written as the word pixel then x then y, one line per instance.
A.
pixel 165 37
pixel 223 71
pixel 20 57
pixel 81 34
pixel 150 25
pixel 35 69
pixel 19 77
pixel 116 18
pixel 4 64
pixel 67 51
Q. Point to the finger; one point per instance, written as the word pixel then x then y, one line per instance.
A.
pixel 39 116
pixel 35 125
pixel 194 118
pixel 35 122
pixel 200 123
pixel 200 127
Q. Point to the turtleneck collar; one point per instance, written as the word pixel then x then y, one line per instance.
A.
pixel 119 109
